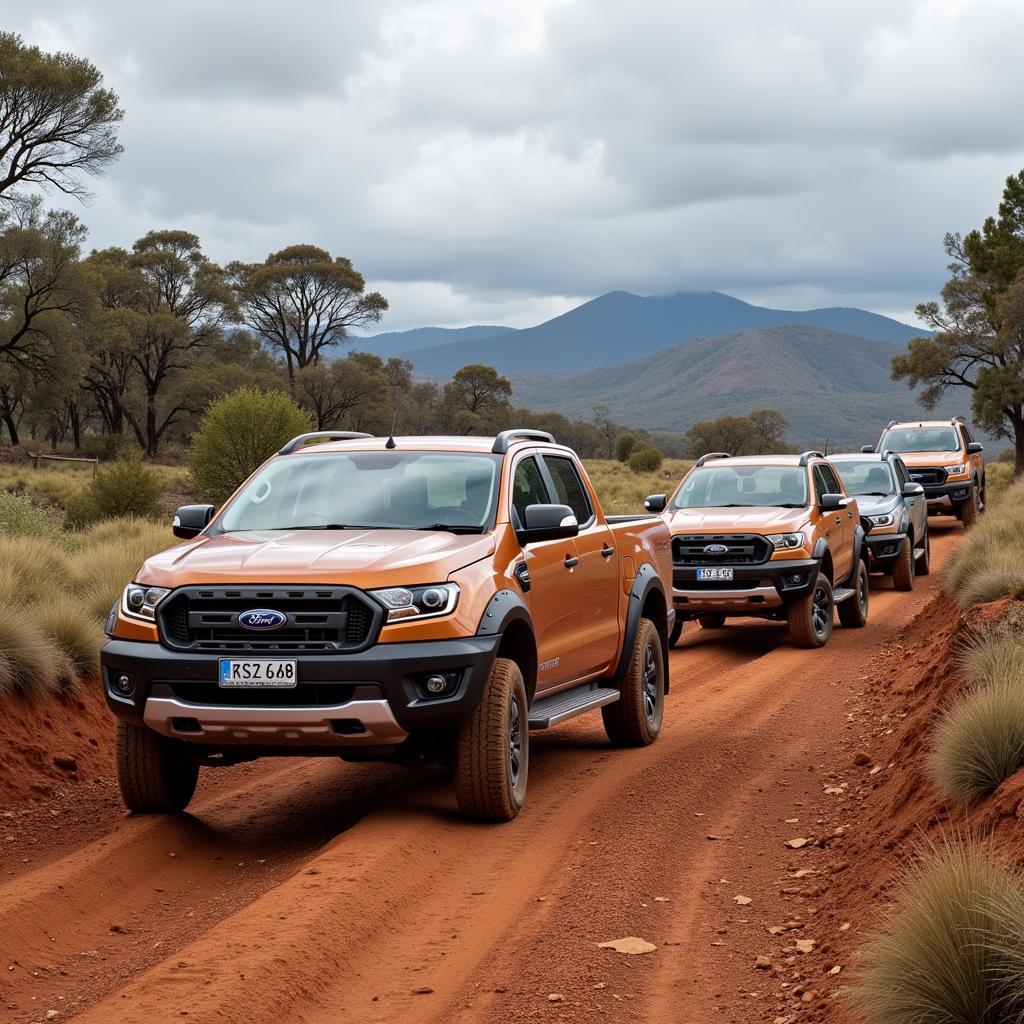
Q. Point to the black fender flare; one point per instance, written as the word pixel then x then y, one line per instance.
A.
pixel 504 608
pixel 506 613
pixel 859 553
pixel 646 581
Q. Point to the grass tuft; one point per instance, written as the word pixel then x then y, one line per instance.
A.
pixel 941 955
pixel 75 633
pixel 29 664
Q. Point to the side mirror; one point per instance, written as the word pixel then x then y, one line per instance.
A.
pixel 833 502
pixel 547 522
pixel 191 520
pixel 655 502
pixel 913 491
pixel 867 449
pixel 975 448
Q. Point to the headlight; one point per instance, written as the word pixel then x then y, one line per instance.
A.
pixel 781 541
pixel 886 519
pixel 418 602
pixel 139 602
pixel 956 470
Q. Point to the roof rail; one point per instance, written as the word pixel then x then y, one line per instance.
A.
pixel 955 420
pixel 325 435
pixel 806 457
pixel 509 437
pixel 711 455
pixel 891 424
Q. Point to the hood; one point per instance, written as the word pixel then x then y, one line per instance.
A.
pixel 871 505
pixel 757 519
pixel 933 458
pixel 359 558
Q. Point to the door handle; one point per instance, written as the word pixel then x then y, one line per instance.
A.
pixel 839 519
pixel 608 551
pixel 849 515
pixel 571 561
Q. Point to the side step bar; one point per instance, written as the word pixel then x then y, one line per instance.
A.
pixel 569 703
pixel 841 594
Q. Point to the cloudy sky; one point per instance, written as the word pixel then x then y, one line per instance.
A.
pixel 499 163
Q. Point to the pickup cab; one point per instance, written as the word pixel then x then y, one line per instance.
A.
pixel 769 536
pixel 390 598
pixel 943 457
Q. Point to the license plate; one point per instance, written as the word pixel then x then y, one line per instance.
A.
pixel 276 674
pixel 717 572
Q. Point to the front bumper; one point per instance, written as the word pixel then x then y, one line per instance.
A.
pixel 884 549
pixel 948 497
pixel 753 589
pixel 370 699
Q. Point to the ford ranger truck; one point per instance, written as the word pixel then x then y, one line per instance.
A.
pixel 898 545
pixel 771 536
pixel 944 458
pixel 396 598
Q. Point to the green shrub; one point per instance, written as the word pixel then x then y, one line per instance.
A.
pixel 126 487
pixel 30 666
pixel 941 956
pixel 625 446
pixel 21 516
pixel 645 460
pixel 237 434
pixel 108 447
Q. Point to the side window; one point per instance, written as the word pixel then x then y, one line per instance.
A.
pixel 968 436
pixel 569 489
pixel 831 480
pixel 820 486
pixel 527 488
pixel 902 478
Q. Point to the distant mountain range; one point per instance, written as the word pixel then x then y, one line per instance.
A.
pixel 614 328
pixel 830 386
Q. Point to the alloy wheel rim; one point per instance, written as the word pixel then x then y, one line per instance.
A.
pixel 862 577
pixel 821 610
pixel 515 741
pixel 650 683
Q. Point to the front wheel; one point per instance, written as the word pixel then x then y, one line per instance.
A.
pixel 853 612
pixel 634 720
pixel 154 773
pixel 969 509
pixel 810 616
pixel 492 757
pixel 903 570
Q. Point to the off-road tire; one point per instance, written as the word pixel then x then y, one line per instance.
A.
pixel 634 720
pixel 806 628
pixel 903 569
pixel 924 563
pixel 490 775
pixel 853 612
pixel 677 630
pixel 711 620
pixel 154 773
pixel 969 509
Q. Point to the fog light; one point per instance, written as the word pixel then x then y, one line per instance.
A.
pixel 888 549
pixel 439 684
pixel 796 578
pixel 124 684
pixel 436 684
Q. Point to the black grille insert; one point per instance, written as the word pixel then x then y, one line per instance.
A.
pixel 317 619
pixel 927 475
pixel 741 549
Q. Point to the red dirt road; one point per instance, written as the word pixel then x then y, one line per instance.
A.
pixel 313 892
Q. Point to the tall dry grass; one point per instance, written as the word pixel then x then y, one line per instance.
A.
pixel 622 491
pixel 946 951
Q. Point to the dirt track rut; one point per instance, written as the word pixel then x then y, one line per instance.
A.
pixel 317 892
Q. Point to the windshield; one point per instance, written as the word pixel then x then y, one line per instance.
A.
pixel 866 477
pixel 743 487
pixel 368 490
pixel 920 439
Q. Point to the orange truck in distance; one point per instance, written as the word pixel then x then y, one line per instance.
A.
pixel 772 536
pixel 398 598
pixel 944 458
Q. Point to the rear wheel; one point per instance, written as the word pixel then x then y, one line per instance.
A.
pixel 810 616
pixel 853 612
pixel 492 756
pixel 903 569
pixel 711 620
pixel 677 629
pixel 153 772
pixel 924 563
pixel 634 720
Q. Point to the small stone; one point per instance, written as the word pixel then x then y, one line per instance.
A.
pixel 423 990
pixel 556 997
pixel 631 945
pixel 763 963
pixel 65 762
pixel 861 759
pixel 118 929
pixel 797 844
pixel 600 985
pixel 804 945
pixel 835 970
pixel 742 901
pixel 52 1014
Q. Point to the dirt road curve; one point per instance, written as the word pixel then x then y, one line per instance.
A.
pixel 320 892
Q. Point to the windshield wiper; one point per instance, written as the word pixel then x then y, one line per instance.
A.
pixel 451 528
pixel 873 494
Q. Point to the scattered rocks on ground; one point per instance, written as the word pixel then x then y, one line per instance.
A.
pixel 631 945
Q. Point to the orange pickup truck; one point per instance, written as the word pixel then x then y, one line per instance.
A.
pixel 391 598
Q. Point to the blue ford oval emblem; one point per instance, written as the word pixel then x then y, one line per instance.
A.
pixel 262 618
pixel 716 549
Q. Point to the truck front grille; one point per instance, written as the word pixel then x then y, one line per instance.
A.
pixel 927 475
pixel 741 549
pixel 316 619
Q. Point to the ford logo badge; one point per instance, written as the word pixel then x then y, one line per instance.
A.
pixel 716 549
pixel 262 618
